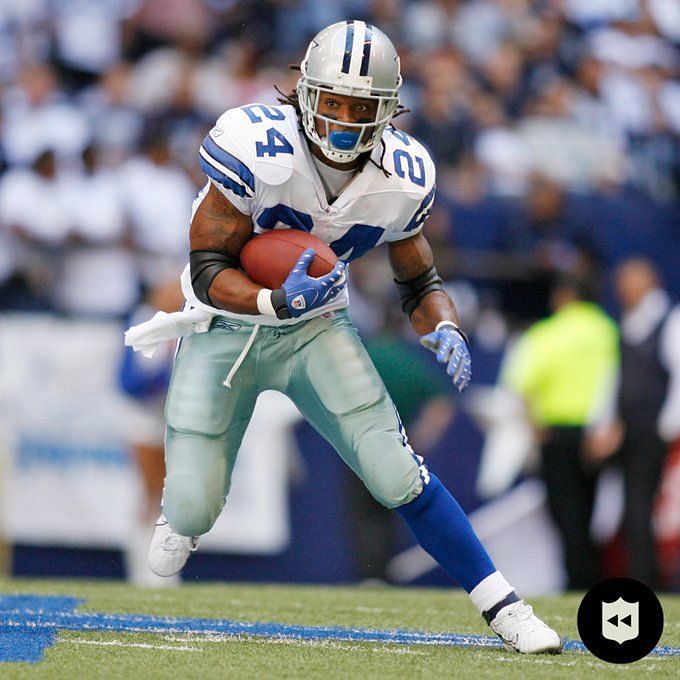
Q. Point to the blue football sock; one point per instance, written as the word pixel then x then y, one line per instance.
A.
pixel 444 531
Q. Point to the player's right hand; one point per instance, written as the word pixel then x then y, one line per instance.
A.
pixel 450 345
pixel 304 292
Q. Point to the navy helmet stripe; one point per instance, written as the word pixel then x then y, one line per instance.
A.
pixel 349 40
pixel 368 36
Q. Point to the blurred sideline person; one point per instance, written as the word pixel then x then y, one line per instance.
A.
pixel 646 404
pixel 145 381
pixel 562 366
pixel 328 162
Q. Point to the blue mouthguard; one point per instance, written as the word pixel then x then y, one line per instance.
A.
pixel 344 141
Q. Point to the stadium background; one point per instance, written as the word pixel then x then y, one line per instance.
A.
pixel 555 129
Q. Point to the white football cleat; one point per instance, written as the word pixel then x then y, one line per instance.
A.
pixel 522 631
pixel 168 551
pixel 137 560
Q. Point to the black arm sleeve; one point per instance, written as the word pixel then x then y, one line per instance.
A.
pixel 205 265
pixel 414 290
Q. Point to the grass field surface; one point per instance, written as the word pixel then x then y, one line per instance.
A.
pixel 77 629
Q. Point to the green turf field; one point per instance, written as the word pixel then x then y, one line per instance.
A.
pixel 177 654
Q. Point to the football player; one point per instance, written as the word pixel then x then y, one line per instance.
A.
pixel 327 162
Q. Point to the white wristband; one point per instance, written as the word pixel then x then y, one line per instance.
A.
pixel 264 302
pixel 456 328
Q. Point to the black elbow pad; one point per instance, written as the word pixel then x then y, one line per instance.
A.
pixel 204 266
pixel 414 290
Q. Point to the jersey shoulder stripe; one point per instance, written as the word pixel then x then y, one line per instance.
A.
pixel 226 168
pixel 423 211
pixel 220 177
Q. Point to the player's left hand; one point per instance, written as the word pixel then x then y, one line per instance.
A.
pixel 304 292
pixel 451 347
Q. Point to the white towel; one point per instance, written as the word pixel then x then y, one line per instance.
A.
pixel 145 337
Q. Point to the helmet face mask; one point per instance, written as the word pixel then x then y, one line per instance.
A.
pixel 350 59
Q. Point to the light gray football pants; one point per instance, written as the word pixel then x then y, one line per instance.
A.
pixel 322 366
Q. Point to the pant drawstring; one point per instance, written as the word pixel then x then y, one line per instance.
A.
pixel 241 357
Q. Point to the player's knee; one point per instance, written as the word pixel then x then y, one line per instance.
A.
pixel 192 422
pixel 187 506
pixel 393 493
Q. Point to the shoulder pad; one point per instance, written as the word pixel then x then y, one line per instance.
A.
pixel 264 138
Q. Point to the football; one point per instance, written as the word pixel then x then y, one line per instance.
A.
pixel 268 258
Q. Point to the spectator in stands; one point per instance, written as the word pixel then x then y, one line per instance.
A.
pixel 499 147
pixel 98 274
pixel 156 195
pixel 116 122
pixel 563 149
pixel 88 38
pixel 647 406
pixel 35 218
pixel 441 122
pixel 561 366
pixel 37 114
pixel 24 36
pixel 501 74
pixel 539 243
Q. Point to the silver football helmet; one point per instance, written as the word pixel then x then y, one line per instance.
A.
pixel 349 58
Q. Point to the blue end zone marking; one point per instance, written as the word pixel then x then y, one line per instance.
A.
pixel 25 640
pixel 28 624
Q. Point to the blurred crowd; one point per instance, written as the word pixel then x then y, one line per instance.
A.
pixel 528 107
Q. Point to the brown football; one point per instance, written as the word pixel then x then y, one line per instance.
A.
pixel 269 257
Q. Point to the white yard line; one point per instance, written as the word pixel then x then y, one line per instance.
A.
pixel 140 645
pixel 293 642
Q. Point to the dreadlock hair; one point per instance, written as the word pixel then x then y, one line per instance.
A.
pixel 292 99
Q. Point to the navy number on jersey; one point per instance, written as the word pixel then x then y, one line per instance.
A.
pixel 266 111
pixel 276 144
pixel 401 136
pixel 286 215
pixel 415 174
pixel 358 240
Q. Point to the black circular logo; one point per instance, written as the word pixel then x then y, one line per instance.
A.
pixel 620 620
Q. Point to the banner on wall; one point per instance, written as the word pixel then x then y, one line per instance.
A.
pixel 67 477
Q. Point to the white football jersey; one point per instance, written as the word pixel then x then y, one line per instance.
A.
pixel 258 157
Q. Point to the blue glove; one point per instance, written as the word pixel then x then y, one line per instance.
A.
pixel 451 347
pixel 302 293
